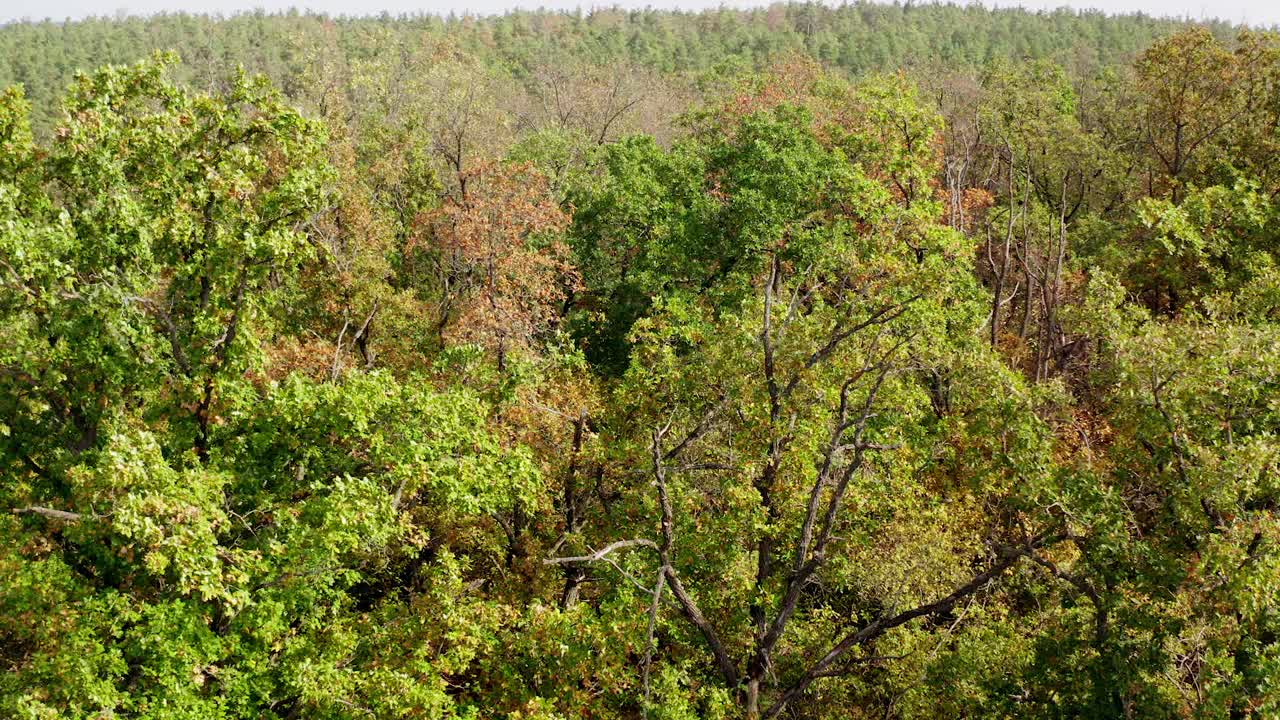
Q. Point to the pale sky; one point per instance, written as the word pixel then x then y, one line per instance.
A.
pixel 1257 12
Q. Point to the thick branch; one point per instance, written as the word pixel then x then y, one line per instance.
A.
pixel 726 664
pixel 879 626
pixel 805 564
pixel 50 513
pixel 728 668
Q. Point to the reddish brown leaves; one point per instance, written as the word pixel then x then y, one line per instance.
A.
pixel 504 270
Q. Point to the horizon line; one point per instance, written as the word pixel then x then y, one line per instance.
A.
pixel 453 15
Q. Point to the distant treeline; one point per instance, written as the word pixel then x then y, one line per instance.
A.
pixel 858 38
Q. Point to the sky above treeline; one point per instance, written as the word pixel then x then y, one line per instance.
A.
pixel 1255 12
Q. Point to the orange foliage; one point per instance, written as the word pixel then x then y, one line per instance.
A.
pixel 961 212
pixel 312 358
pixel 505 270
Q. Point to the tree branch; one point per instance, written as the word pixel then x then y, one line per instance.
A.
pixel 51 513
pixel 1009 557
pixel 601 553
pixel 726 664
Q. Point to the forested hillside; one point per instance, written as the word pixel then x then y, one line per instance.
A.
pixel 898 362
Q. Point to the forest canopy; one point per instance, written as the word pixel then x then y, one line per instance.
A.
pixel 881 361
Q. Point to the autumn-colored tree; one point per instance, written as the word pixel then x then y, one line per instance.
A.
pixel 503 271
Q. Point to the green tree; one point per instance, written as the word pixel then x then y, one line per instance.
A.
pixel 787 414
pixel 190 538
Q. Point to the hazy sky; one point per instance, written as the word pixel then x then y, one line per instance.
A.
pixel 1260 12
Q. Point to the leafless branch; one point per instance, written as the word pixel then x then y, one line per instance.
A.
pixel 51 513
pixel 602 553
